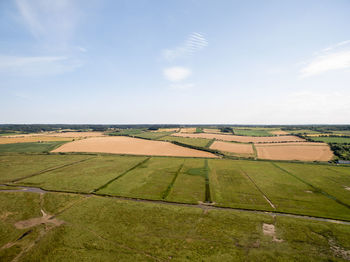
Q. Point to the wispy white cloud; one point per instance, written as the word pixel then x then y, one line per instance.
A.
pixel 194 43
pixel 176 73
pixel 52 21
pixel 325 63
pixel 343 43
pixel 37 65
pixel 335 57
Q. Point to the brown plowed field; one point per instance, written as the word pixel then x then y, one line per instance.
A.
pixel 244 139
pixel 233 147
pixel 29 139
pixel 295 151
pixel 132 146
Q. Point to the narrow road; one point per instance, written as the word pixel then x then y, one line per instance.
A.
pixel 202 205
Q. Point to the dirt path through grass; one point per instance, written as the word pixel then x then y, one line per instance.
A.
pixel 202 206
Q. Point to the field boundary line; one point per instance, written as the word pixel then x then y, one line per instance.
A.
pixel 255 151
pixel 210 143
pixel 212 207
pixel 263 194
pixel 121 175
pixel 51 169
pixel 207 182
pixel 170 186
pixel 317 189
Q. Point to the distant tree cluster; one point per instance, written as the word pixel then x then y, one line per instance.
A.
pixel 226 130
pixel 342 151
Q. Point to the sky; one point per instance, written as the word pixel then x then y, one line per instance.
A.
pixel 175 62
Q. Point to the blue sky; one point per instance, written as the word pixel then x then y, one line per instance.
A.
pixel 183 61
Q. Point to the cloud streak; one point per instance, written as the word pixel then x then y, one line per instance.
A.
pixel 51 21
pixel 330 59
pixel 194 43
pixel 37 65
pixel 176 73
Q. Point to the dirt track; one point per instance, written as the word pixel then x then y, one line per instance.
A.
pixel 244 139
pixel 129 145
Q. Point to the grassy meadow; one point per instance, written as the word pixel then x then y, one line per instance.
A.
pixel 179 209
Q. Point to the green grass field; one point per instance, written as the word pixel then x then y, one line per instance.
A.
pixel 20 166
pixel 302 131
pixel 200 142
pixel 189 186
pixel 99 227
pixel 333 139
pixel 149 180
pixel 252 132
pixel 35 147
pixel 85 176
pixel 105 229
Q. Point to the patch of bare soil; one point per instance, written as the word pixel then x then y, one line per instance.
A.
pixel 294 151
pixel 32 222
pixel 269 230
pixel 132 146
pixel 339 251
pixel 243 139
pixel 308 191
pixel 347 188
pixel 233 147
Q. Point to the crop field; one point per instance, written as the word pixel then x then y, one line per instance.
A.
pixel 30 139
pixel 129 145
pixel 212 130
pixel 188 130
pixel 235 148
pixel 36 147
pixel 201 142
pixel 331 139
pixel 278 132
pixel 172 130
pixel 251 132
pixel 153 135
pixel 302 131
pixel 243 139
pixel 302 151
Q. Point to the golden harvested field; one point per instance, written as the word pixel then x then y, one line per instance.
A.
pixel 235 148
pixel 304 151
pixel 188 130
pixel 62 134
pixel 77 134
pixel 212 130
pixel 132 146
pixel 278 132
pixel 29 139
pixel 244 139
